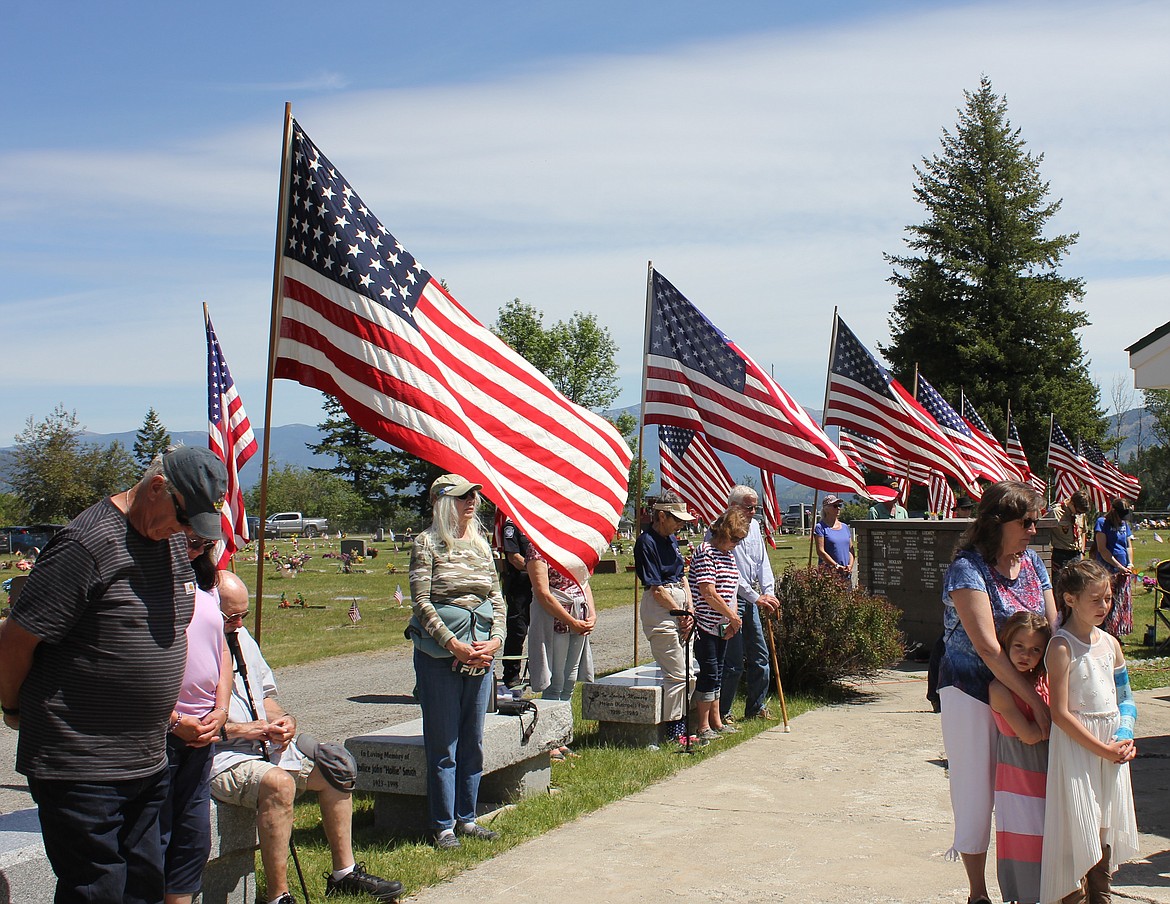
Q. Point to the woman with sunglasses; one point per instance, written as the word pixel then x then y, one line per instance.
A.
pixel 994 575
pixel 457 627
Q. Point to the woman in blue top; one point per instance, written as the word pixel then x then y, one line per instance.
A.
pixel 660 568
pixel 994 575
pixel 1113 543
pixel 834 540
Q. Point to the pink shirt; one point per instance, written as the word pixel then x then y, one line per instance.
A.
pixel 204 656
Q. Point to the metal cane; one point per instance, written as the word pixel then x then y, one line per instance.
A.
pixel 687 711
pixel 233 642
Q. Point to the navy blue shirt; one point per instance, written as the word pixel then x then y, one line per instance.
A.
pixel 657 559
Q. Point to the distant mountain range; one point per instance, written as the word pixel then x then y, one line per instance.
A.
pixel 289 447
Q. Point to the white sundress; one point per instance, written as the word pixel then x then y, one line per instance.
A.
pixel 1090 799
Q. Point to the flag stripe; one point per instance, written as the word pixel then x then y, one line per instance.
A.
pixel 698 476
pixel 231 438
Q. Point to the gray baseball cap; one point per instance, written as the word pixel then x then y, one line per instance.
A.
pixel 201 479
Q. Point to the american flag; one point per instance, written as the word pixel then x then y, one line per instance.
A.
pixel 698 378
pixel 864 398
pixel 1112 478
pixel 399 599
pixel 976 454
pixel 363 321
pixel 1072 471
pixel 940 497
pixel 229 436
pixel 355 616
pixel 691 468
pixel 874 455
pixel 982 432
pixel 772 517
pixel 1015 451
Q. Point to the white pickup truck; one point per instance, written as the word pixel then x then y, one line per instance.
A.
pixel 285 524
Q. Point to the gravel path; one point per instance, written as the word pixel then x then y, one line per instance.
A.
pixel 338 698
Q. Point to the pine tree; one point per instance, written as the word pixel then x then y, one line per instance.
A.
pixel 981 305
pixel 152 439
pixel 371 469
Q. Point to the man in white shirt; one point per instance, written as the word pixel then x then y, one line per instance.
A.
pixel 747 649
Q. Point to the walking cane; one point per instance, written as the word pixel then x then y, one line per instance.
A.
pixel 233 642
pixel 686 746
pixel 776 672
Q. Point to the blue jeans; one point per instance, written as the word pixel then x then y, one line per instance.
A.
pixel 453 708
pixel 102 838
pixel 748 647
pixel 709 655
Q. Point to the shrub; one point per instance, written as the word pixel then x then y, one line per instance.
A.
pixel 828 632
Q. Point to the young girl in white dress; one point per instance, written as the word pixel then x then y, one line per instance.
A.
pixel 1089 822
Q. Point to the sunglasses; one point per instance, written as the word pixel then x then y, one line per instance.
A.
pixel 180 512
pixel 239 616
pixel 470 494
pixel 200 543
pixel 1029 523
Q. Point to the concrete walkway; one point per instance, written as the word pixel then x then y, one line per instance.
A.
pixel 851 806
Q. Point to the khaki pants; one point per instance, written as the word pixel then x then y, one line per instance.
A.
pixel 1097 887
pixel 661 629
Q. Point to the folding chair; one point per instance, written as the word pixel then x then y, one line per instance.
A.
pixel 1161 602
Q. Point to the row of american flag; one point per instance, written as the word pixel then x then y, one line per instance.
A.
pixel 361 319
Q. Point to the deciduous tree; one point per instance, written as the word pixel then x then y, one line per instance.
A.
pixel 56 475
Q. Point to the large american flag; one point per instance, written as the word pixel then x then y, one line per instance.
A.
pixel 698 378
pixel 363 321
pixel 982 432
pixel 1072 472
pixel 691 468
pixel 864 398
pixel 1015 451
pixel 229 436
pixel 1111 477
pixel 978 457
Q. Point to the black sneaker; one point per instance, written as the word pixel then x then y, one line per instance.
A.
pixel 359 882
pixel 286 898
pixel 475 830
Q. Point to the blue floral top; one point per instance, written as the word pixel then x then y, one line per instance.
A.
pixel 962 667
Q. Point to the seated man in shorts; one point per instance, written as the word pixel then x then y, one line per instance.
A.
pixel 258 766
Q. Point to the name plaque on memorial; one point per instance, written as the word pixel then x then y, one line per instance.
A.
pixel 906 561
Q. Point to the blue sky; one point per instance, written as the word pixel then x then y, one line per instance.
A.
pixel 759 153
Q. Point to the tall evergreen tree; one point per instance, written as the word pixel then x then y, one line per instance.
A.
pixel 151 440
pixel 370 468
pixel 981 304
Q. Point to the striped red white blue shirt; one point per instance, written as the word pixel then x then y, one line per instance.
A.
pixel 713 566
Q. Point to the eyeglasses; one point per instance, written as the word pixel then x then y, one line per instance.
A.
pixel 239 616
pixel 470 494
pixel 1029 523
pixel 180 512
pixel 200 543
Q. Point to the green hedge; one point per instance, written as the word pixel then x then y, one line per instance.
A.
pixel 827 632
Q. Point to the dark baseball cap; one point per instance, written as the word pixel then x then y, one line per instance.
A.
pixel 201 479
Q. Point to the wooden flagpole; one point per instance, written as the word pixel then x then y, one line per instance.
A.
pixel 641 431
pixel 824 415
pixel 273 329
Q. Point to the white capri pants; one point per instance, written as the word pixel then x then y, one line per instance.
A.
pixel 969 735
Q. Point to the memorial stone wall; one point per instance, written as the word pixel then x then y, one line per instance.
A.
pixel 905 562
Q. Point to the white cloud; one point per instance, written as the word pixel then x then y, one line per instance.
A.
pixel 764 176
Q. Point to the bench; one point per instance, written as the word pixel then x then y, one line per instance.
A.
pixel 627 706
pixel 392 764
pixel 228 878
